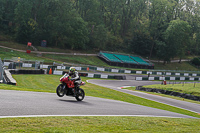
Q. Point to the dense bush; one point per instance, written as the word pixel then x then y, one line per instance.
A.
pixel 196 61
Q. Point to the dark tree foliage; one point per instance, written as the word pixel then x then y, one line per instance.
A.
pixel 104 24
pixel 196 61
pixel 141 43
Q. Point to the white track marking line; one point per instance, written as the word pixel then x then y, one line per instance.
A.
pixel 30 116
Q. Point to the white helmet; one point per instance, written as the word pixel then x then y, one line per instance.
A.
pixel 72 69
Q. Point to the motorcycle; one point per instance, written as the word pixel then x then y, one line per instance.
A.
pixel 67 87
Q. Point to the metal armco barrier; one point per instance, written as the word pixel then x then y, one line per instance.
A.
pixel 172 93
pixel 20 71
pixel 1 71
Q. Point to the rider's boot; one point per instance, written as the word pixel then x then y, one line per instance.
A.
pixel 74 91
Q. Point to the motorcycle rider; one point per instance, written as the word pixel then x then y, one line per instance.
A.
pixel 74 76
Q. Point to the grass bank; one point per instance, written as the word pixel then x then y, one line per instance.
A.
pixel 184 66
pixel 184 87
pixel 94 61
pixel 98 124
pixel 48 83
pixel 86 60
pixel 8 54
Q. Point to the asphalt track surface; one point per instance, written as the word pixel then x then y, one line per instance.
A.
pixel 117 84
pixel 31 104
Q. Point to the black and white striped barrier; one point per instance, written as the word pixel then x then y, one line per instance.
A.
pixel 168 78
pixel 181 74
pixel 92 75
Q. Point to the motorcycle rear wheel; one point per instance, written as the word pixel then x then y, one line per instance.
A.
pixel 80 94
pixel 60 90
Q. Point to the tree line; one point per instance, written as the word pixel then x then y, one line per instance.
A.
pixel 161 28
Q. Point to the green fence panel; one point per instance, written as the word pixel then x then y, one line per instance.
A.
pixel 133 71
pixel 187 78
pixel 121 71
pixel 93 68
pixel 97 76
pixel 177 78
pixel 67 67
pixel 110 77
pixel 144 72
pixel 167 78
pixel 154 73
pixel 145 78
pixel 172 73
pixel 182 74
pixel 190 74
pixel 84 68
pixel 19 64
pixel 107 69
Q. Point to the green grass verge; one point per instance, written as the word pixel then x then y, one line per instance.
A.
pixel 98 124
pixel 163 95
pixel 48 83
pixel 189 88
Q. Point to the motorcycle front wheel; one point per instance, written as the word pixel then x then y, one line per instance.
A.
pixel 60 90
pixel 80 94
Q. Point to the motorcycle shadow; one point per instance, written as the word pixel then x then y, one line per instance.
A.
pixel 75 101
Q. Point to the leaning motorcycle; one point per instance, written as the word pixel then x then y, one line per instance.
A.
pixel 67 87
